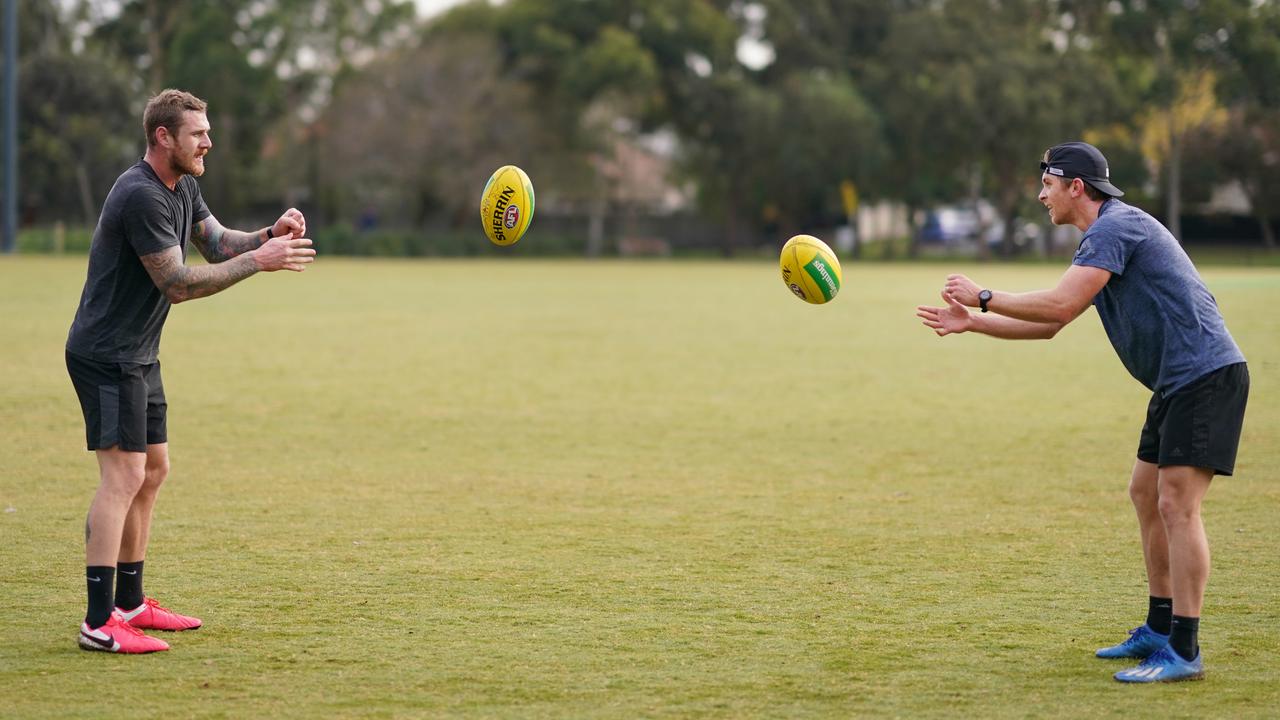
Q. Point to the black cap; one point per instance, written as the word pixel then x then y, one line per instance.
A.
pixel 1080 160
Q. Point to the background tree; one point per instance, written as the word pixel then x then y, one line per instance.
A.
pixel 75 136
pixel 416 134
pixel 1249 143
pixel 1176 44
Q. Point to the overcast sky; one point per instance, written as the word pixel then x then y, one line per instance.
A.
pixel 427 8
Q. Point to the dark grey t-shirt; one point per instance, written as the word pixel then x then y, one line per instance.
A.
pixel 121 310
pixel 1160 317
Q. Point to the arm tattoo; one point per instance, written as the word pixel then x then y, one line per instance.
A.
pixel 179 282
pixel 218 244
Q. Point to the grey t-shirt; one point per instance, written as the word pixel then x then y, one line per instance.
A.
pixel 1160 317
pixel 121 310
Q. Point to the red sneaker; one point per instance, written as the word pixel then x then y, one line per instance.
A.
pixel 118 636
pixel 150 615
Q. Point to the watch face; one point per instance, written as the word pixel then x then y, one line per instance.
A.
pixel 985 295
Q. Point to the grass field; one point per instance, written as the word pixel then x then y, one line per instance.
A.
pixel 574 489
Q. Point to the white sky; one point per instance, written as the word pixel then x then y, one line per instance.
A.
pixel 427 8
pixel 751 52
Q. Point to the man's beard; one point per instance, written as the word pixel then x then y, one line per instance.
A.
pixel 187 166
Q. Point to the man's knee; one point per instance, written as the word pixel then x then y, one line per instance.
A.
pixel 1144 493
pixel 124 480
pixel 157 470
pixel 1177 509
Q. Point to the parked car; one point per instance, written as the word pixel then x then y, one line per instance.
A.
pixel 950 226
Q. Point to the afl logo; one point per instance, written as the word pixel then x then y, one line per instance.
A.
pixel 512 217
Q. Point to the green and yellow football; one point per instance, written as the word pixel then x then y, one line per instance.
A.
pixel 810 269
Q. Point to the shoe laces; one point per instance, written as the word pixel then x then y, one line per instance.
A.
pixel 155 606
pixel 124 626
pixel 1159 657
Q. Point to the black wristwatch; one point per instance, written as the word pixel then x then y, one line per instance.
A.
pixel 984 297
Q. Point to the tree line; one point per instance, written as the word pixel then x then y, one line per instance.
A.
pixel 363 113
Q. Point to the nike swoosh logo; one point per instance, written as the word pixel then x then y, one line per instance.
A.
pixel 95 579
pixel 104 643
pixel 126 572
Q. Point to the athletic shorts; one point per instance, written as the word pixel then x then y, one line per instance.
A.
pixel 123 403
pixel 1199 425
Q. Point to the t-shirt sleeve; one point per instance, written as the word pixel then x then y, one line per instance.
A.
pixel 1105 246
pixel 147 225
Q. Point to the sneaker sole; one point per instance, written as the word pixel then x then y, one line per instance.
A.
pixel 91 646
pixel 1142 682
pixel 1189 678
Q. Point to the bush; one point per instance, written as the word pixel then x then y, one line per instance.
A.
pixel 48 239
pixel 344 240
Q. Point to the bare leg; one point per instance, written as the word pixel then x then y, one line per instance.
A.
pixel 122 473
pixel 1144 491
pixel 137 525
pixel 1182 489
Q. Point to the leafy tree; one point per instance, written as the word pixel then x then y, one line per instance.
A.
pixel 1245 148
pixel 1171 45
pixel 417 133
pixel 244 101
pixel 75 137
pixel 264 66
pixel 840 35
pixel 1249 144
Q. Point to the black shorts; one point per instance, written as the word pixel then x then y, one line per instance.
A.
pixel 1199 425
pixel 123 403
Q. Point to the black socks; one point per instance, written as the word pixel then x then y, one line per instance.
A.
pixel 129 585
pixel 101 580
pixel 1183 632
pixel 1184 637
pixel 1159 613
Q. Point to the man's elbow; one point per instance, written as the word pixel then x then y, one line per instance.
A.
pixel 1063 314
pixel 1051 329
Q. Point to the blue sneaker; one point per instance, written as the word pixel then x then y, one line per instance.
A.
pixel 1142 642
pixel 1165 665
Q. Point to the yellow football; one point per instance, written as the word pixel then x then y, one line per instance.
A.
pixel 506 205
pixel 810 269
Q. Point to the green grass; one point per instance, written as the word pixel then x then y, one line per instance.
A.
pixel 575 489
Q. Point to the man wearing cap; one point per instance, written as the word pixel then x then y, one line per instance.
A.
pixel 1170 335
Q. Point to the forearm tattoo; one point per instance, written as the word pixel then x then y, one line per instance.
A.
pixel 179 282
pixel 218 244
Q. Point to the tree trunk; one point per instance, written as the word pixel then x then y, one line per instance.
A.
pixel 975 199
pixel 1268 233
pixel 913 236
pixel 86 196
pixel 595 226
pixel 1173 207
pixel 1009 215
pixel 156 45
pixel 729 240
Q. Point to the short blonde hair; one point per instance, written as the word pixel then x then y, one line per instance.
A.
pixel 166 109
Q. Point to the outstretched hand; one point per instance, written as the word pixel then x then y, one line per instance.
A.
pixel 285 253
pixel 291 221
pixel 951 319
